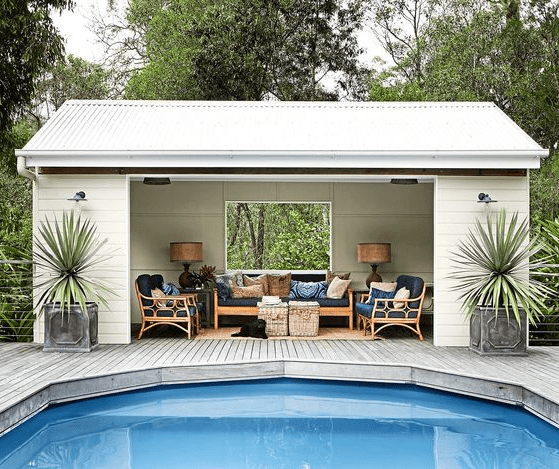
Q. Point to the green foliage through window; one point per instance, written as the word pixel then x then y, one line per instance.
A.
pixel 278 236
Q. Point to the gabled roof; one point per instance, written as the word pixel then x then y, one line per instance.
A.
pixel 281 134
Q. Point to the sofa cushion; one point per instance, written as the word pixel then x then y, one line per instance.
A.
pixel 279 285
pixel 239 301
pixel 260 280
pixel 253 291
pixel 331 302
pixel 384 286
pixel 306 290
pixel 332 275
pixel 337 288
pixel 224 282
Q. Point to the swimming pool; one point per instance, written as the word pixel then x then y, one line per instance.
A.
pixel 282 423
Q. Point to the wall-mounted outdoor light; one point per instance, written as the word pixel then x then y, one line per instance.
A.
pixel 484 198
pixel 78 197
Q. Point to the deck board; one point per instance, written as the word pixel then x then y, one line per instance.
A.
pixel 25 370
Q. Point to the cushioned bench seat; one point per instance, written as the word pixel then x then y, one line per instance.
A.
pixel 330 307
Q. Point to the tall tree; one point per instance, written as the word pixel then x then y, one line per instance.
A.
pixel 250 49
pixel 30 44
pixel 493 51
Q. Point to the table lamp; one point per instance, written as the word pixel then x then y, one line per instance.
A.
pixel 374 254
pixel 187 253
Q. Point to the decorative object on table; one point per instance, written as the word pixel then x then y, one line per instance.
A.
pixel 495 273
pixel 275 315
pixel 66 254
pixel 202 278
pixel 303 318
pixel 187 253
pixel 374 254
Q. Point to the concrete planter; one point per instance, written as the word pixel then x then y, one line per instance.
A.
pixel 495 334
pixel 75 331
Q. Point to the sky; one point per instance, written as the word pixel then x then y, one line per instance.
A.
pixel 73 27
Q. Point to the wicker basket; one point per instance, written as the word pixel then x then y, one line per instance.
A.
pixel 275 316
pixel 303 318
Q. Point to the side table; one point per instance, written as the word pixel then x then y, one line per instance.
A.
pixel 205 295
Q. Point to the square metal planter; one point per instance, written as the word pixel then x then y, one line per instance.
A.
pixel 73 331
pixel 497 334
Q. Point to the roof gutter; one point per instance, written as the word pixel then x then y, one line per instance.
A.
pixel 22 169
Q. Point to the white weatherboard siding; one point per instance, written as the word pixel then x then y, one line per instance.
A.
pixel 108 207
pixel 456 209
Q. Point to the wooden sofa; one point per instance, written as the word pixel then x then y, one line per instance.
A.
pixel 248 306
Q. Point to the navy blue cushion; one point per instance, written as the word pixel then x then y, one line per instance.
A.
pixel 238 301
pixel 156 281
pixel 144 288
pixel 413 284
pixel 307 290
pixel 326 302
pixel 223 283
pixel 375 293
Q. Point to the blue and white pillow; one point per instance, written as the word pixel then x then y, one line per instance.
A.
pixel 224 282
pixel 308 290
pixel 374 293
pixel 170 289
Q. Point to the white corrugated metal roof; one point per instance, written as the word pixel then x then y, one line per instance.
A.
pixel 281 134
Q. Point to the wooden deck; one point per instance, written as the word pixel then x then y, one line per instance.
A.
pixel 31 379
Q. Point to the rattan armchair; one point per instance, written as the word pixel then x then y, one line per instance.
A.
pixel 179 311
pixel 385 312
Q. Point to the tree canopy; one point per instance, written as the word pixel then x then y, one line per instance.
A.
pixel 248 49
pixel 503 52
pixel 30 44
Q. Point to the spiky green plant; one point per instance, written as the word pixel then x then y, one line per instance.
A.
pixel 65 254
pixel 495 267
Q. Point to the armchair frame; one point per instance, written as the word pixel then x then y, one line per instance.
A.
pixel 386 306
pixel 173 304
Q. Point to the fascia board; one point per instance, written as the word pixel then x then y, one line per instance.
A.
pixel 513 159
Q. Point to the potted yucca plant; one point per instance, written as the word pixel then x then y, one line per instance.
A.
pixel 65 253
pixel 495 272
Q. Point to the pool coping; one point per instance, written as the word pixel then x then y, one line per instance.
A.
pixel 59 391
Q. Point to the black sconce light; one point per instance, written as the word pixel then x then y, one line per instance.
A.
pixel 78 197
pixel 484 198
pixel 157 181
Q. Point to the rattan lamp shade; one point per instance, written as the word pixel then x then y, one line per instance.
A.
pixel 374 254
pixel 186 252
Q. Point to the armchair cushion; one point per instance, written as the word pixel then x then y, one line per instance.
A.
pixel 413 284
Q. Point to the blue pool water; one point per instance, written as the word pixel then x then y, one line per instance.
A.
pixel 282 423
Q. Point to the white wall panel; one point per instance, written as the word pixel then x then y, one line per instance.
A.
pixel 456 209
pixel 107 206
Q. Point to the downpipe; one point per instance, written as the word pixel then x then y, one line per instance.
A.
pixel 22 169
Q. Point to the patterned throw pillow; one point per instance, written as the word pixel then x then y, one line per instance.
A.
pixel 374 293
pixel 170 289
pixel 384 286
pixel 307 290
pixel 332 275
pixel 224 282
pixel 279 285
pixel 260 280
pixel 402 294
pixel 337 288
pixel 254 291
pixel 157 293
